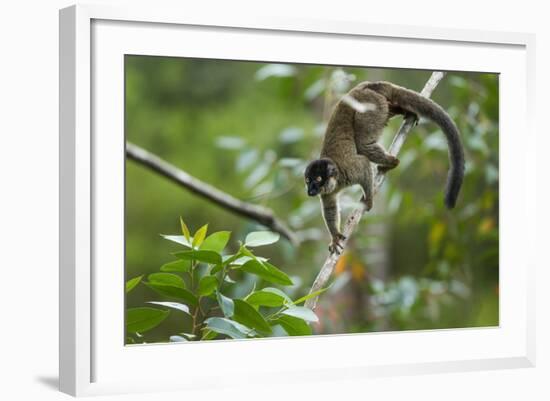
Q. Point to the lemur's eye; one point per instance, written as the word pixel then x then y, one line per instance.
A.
pixel 318 179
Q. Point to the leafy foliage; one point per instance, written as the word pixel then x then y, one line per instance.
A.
pixel 199 289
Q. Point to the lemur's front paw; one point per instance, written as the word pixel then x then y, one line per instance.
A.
pixel 336 245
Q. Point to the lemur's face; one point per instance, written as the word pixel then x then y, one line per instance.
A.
pixel 320 176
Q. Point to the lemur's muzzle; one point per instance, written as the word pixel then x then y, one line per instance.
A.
pixel 312 191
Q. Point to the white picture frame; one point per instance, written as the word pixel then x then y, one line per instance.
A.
pixel 93 358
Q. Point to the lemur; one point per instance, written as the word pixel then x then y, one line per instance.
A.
pixel 350 145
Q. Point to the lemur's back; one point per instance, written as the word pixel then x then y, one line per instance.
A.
pixel 339 137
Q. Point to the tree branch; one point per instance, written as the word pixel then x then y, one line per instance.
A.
pixel 355 216
pixel 257 213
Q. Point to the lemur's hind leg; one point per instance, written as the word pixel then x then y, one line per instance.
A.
pixel 377 154
pixel 369 126
pixel 363 176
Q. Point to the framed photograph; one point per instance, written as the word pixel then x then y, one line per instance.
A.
pixel 282 200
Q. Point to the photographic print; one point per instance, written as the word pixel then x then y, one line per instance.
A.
pixel 276 200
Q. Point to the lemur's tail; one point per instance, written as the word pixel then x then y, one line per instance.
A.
pixel 416 103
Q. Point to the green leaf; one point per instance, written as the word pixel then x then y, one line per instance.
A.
pixel 268 297
pixel 216 242
pixel 247 256
pixel 312 295
pixel 226 304
pixel 277 275
pixel 301 312
pixel 228 259
pixel 228 327
pixel 178 339
pixel 278 331
pixel 187 336
pixel 278 292
pixel 216 269
pixel 179 239
pixel 174 292
pixel 208 334
pixel 139 320
pixel 247 315
pixel 198 238
pixel 260 238
pixel 170 279
pixel 209 257
pixel 247 253
pixel 294 326
pixel 176 266
pixel 130 284
pixel 185 230
pixel 172 305
pixel 266 271
pixel 207 285
pixel 238 260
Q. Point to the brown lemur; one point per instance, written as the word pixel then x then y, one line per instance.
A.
pixel 350 145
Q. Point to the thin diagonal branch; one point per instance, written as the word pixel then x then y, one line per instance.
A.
pixel 355 216
pixel 260 214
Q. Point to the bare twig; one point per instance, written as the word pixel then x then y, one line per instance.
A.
pixel 355 216
pixel 251 211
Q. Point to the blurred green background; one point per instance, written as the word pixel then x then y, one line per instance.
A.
pixel 249 129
